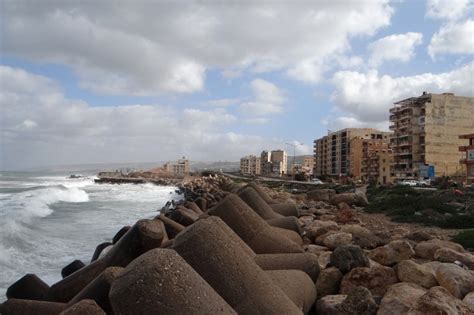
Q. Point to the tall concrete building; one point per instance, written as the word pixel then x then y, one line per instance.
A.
pixel 181 167
pixel 250 165
pixel 338 154
pixel 266 163
pixel 468 161
pixel 426 134
pixel 279 160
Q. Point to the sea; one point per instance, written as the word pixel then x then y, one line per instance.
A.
pixel 48 219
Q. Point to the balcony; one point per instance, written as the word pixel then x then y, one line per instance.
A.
pixel 403 152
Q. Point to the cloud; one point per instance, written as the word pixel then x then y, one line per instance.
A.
pixel 453 38
pixel 40 126
pixel 337 123
pixel 367 97
pixel 268 99
pixel 256 121
pixel 147 47
pixel 223 102
pixel 399 47
pixel 447 9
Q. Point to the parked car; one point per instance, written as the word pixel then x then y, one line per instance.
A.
pixel 408 182
pixel 424 182
pixel 316 181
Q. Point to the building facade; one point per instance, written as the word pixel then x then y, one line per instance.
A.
pixel 426 134
pixel 340 153
pixel 375 165
pixel 279 160
pixel 180 168
pixel 468 161
pixel 250 165
pixel 266 163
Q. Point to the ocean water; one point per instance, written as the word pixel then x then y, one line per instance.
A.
pixel 47 220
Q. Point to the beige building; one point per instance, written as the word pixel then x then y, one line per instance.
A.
pixel 339 153
pixel 468 161
pixel 426 134
pixel 308 164
pixel 266 163
pixel 375 164
pixel 279 160
pixel 250 165
pixel 181 167
pixel 361 149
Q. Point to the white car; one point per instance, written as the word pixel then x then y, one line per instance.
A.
pixel 316 181
pixel 409 182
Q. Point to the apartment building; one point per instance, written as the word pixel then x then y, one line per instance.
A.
pixel 279 159
pixel 266 163
pixel 250 165
pixel 307 165
pixel 426 134
pixel 468 161
pixel 339 153
pixel 180 168
pixel 375 165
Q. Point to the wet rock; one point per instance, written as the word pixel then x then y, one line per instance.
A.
pixel 439 301
pixel 456 280
pixel 83 307
pixel 335 240
pixel 328 281
pixel 448 255
pixel 359 301
pixel 29 287
pixel 410 271
pixel 376 279
pixel 400 298
pixel 392 253
pixel 329 305
pixel 427 249
pixel 160 281
pixel 348 257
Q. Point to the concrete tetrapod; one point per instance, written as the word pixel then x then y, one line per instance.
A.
pixel 84 307
pixel 29 287
pixel 71 268
pixel 258 204
pixel 288 223
pixel 306 262
pixel 143 236
pixel 98 289
pixel 261 192
pixel 220 260
pixel 251 228
pixel 161 282
pixel 297 285
pixel 30 307
pixel 286 209
pixel 290 234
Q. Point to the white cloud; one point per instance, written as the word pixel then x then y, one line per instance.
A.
pixel 268 99
pixel 150 47
pixel 447 9
pixel 399 47
pixel 457 38
pixel 223 102
pixel 337 123
pixel 40 126
pixel 256 121
pixel 367 97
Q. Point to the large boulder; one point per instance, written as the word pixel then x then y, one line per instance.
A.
pixel 363 237
pixel 439 301
pixel 392 253
pixel 328 281
pixel 348 257
pixel 352 199
pixel 329 305
pixel 410 271
pixel 358 301
pixel 448 255
pixel 469 300
pixel 456 280
pixel 335 240
pixel 427 249
pixel 400 298
pixel 320 194
pixel 377 279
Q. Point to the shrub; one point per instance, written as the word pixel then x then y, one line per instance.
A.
pixel 465 238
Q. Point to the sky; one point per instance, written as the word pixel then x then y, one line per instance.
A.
pixel 143 81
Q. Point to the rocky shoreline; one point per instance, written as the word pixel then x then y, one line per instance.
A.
pixel 242 248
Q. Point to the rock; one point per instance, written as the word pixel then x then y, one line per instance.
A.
pixel 469 300
pixel 355 229
pixel 363 237
pixel 324 260
pixel 392 253
pixel 419 236
pixel 328 281
pixel 456 280
pixel 427 249
pixel 448 255
pixel 410 271
pixel 359 301
pixel 318 228
pixel 352 199
pixel 160 281
pixel 306 262
pixel 345 214
pixel 439 301
pixel 400 298
pixel 376 279
pixel 71 268
pixel 29 287
pixel 305 220
pixel 320 194
pixel 335 240
pixel 83 307
pixel 329 305
pixel 315 249
pixel 349 256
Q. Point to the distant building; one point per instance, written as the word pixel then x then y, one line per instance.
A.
pixel 468 161
pixel 180 168
pixel 306 166
pixel 279 160
pixel 375 164
pixel 250 165
pixel 334 154
pixel 363 150
pixel 426 134
pixel 266 163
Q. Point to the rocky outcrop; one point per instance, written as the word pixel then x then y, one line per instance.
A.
pixel 400 298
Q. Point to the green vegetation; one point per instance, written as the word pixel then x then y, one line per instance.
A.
pixel 430 207
pixel 466 239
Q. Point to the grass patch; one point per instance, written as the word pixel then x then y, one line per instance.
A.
pixel 466 239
